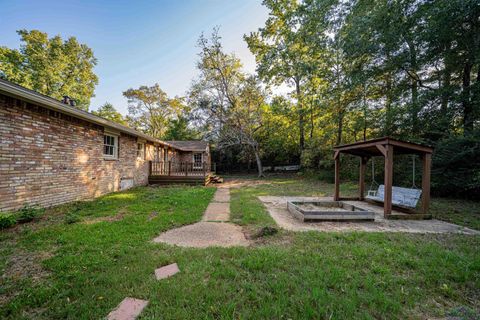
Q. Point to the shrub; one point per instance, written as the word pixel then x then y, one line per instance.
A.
pixel 27 214
pixel 71 218
pixel 7 220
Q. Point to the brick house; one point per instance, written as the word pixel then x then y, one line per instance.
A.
pixel 53 153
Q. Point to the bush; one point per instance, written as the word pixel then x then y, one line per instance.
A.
pixel 71 218
pixel 27 214
pixel 7 220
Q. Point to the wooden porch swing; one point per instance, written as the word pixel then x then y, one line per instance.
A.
pixel 403 199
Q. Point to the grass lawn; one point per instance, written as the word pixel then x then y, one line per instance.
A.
pixel 54 270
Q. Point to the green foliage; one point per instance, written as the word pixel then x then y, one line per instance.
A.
pixel 28 213
pixel 108 111
pixel 178 129
pixel 52 66
pixel 356 70
pixel 150 109
pixel 72 218
pixel 73 214
pixel 7 220
pixel 456 170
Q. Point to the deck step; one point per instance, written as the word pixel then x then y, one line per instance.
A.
pixel 165 180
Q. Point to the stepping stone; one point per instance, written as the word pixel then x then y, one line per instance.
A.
pixel 128 309
pixel 166 271
pixel 222 195
pixel 217 211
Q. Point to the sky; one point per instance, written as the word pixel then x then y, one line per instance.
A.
pixel 138 42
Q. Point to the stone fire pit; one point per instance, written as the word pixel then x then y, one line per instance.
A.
pixel 328 211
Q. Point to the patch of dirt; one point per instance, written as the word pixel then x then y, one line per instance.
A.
pixel 152 215
pixel 24 264
pixel 258 237
pixel 265 232
pixel 114 218
pixel 238 183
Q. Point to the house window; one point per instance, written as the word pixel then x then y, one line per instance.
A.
pixel 141 150
pixel 110 146
pixel 197 160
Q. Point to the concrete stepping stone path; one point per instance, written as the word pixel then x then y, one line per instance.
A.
pixel 213 230
pixel 222 195
pixel 128 309
pixel 217 211
pixel 166 271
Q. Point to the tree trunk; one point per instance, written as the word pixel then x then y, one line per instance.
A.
pixel 445 98
pixel 388 106
pixel 259 162
pixel 340 127
pixel 301 120
pixel 414 109
pixel 365 124
pixel 311 120
pixel 466 103
pixel 476 97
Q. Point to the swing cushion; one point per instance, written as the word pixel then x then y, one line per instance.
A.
pixel 402 197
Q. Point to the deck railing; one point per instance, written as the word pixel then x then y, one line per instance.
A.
pixel 179 168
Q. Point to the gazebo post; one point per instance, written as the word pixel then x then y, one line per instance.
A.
pixel 426 164
pixel 336 196
pixel 363 165
pixel 388 181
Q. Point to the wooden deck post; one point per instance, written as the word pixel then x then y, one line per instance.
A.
pixel 336 196
pixel 169 167
pixel 426 165
pixel 388 181
pixel 363 165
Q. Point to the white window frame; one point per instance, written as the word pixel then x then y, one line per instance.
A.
pixel 114 146
pixel 141 151
pixel 201 160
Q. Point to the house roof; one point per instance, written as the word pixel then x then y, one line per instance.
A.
pixel 192 145
pixel 14 90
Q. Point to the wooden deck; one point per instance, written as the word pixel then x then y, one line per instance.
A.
pixel 172 172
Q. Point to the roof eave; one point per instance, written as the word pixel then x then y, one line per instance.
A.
pixel 50 103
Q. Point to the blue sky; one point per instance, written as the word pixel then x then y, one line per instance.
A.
pixel 138 42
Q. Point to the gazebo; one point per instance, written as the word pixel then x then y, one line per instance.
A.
pixel 386 147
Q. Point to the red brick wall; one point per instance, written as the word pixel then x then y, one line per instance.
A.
pixel 48 158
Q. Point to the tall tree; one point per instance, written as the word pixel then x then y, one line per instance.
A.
pixel 52 66
pixel 179 129
pixel 108 111
pixel 229 102
pixel 281 54
pixel 150 109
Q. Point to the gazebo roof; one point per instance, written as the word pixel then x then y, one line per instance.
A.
pixel 373 147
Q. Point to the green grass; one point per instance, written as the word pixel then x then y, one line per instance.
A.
pixel 91 267
pixel 462 212
pixel 88 268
